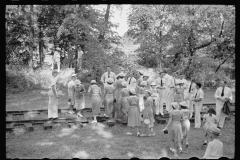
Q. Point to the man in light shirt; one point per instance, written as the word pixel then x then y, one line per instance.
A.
pixel 161 87
pixel 107 75
pixel 215 147
pixel 197 100
pixel 190 92
pixel 170 85
pixel 222 94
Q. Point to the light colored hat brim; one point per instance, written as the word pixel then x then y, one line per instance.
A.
pixel 74 75
pixel 183 103
pixel 93 81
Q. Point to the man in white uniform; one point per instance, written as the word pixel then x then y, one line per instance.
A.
pixel 107 75
pixel 161 87
pixel 197 99
pixel 169 91
pixel 222 95
pixel 190 92
pixel 56 59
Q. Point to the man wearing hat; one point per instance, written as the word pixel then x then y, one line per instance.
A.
pixel 71 86
pixel 161 86
pixel 107 75
pixel 197 99
pixel 170 85
pixel 222 94
pixel 215 147
pixel 190 92
pixel 56 58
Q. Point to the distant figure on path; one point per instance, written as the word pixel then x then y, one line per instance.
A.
pixel 107 75
pixel 56 58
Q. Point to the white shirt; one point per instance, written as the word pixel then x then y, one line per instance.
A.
pixel 56 56
pixel 164 82
pixel 169 81
pixel 105 77
pixel 227 94
pixel 71 85
pixel 214 150
pixel 200 94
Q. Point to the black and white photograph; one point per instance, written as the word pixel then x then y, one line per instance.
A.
pixel 120 81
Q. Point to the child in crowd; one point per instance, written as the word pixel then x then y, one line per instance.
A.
pixel 211 120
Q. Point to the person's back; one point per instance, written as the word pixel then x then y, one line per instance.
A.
pixel 176 115
pixel 95 90
pixel 214 150
pixel 109 89
pixel 125 92
pixel 133 100
pixel 186 113
pixel 79 91
pixel 118 83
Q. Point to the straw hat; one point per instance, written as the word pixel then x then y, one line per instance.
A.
pixel 148 91
pixel 132 90
pixel 109 80
pixel 77 82
pixel 93 82
pixel 143 83
pixel 74 75
pixel 175 105
pixel 124 84
pixel 153 84
pixel 214 130
pixel 121 74
pixel 141 72
pixel 184 103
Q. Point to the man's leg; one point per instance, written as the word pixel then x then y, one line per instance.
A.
pixel 197 116
pixel 222 119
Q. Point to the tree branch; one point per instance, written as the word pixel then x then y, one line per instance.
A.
pixel 223 62
pixel 204 44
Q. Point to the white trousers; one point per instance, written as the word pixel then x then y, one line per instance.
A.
pixel 170 99
pixel 162 94
pixel 220 115
pixel 198 108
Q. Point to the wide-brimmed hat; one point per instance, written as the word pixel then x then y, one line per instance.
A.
pixel 175 105
pixel 143 83
pixel 184 104
pixel 132 90
pixel 148 91
pixel 109 80
pixel 146 75
pixel 124 84
pixel 121 74
pixel 93 82
pixel 153 84
pixel 77 82
pixel 214 130
pixel 154 95
pixel 73 75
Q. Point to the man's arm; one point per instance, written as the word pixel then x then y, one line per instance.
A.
pixel 103 78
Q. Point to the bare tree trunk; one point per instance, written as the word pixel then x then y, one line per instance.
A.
pixel 30 62
pixel 76 59
pixel 102 34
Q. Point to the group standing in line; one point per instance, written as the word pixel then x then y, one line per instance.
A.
pixel 137 101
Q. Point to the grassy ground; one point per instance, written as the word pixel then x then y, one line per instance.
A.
pixel 99 141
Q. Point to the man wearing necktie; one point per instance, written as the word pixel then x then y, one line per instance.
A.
pixel 197 100
pixel 191 90
pixel 107 75
pixel 161 85
pixel 169 90
pixel 222 94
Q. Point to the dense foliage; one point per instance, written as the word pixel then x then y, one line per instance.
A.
pixel 181 37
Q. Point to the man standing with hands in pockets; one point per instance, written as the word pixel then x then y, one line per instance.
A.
pixel 107 75
pixel 161 85
pixel 197 100
pixel 223 94
pixel 191 90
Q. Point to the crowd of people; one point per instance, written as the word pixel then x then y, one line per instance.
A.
pixel 137 101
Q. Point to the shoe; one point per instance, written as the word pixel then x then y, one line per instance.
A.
pixel 129 133
pixel 205 143
pixel 80 115
pixel 143 135
pixel 186 145
pixel 180 149
pixel 94 121
pixel 70 112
